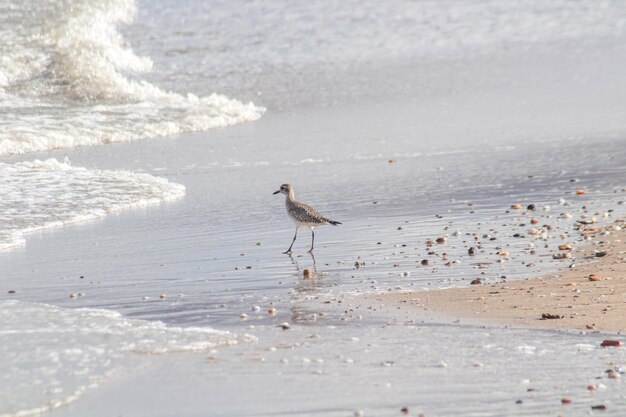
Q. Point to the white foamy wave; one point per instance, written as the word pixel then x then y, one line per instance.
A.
pixel 66 79
pixel 42 194
pixel 51 355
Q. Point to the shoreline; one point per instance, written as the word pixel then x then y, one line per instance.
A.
pixel 589 297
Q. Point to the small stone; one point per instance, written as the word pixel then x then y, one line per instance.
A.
pixel 73 295
pixel 471 251
pixel 600 254
pixel 516 206
pixel 271 311
pixel 284 325
pixel 566 255
pixel 308 272
pixel 594 277
pixel 441 240
pixel 566 400
pixel 531 207
pixel 243 316
pixel 405 411
pixel 580 192
pixel 591 387
pixel 611 343
pixel 549 316
pixel 392 161
pixel 424 262
pixel 256 309
pixel 534 221
pixel 11 292
pixel 476 281
pixel 358 413
pixel 613 374
pixel 163 296
pixel 565 247
pixel 600 407
pixel 442 364
pixel 504 254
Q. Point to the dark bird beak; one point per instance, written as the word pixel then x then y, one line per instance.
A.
pixel 276 192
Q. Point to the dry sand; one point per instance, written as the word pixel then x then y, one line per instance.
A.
pixel 580 303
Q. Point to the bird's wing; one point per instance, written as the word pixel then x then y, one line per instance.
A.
pixel 307 214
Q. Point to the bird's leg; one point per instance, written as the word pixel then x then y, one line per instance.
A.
pixel 294 239
pixel 312 240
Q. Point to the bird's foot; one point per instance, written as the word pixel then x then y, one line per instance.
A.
pixel 287 252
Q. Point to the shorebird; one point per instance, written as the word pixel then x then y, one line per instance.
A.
pixel 302 215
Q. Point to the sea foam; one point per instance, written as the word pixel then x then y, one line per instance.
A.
pixel 67 78
pixel 41 194
pixel 51 355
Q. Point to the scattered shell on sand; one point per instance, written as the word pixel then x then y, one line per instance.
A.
pixel 591 387
pixel 476 281
pixel 73 295
pixel 580 192
pixel 504 254
pixel 565 247
pixel 392 161
pixel 613 374
pixel 308 272
pixel 516 206
pixel 271 311
pixel 163 296
pixel 243 316
pixel 534 221
pixel 611 343
pixel 284 325
pixel 594 277
pixel 566 255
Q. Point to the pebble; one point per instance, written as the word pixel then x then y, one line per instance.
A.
pixel 580 192
pixel 531 207
pixel 516 206
pixel 594 277
pixel 600 254
pixel 613 374
pixel 73 295
pixel 441 240
pixel 566 400
pixel 243 316
pixel 476 281
pixel 359 413
pixel 611 343
pixel 600 407
pixel 284 325
pixel 308 272
pixel 565 247
pixel 11 292
pixel 591 387
pixel 424 262
pixel 271 311
pixel 256 309
pixel 405 411
pixel 163 296
pixel 471 251
pixel 442 364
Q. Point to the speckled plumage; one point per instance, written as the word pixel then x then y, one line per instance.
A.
pixel 301 214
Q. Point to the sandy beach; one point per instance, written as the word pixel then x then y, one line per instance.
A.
pixel 142 265
pixel 589 294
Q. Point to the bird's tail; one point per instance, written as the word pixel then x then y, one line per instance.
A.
pixel 334 223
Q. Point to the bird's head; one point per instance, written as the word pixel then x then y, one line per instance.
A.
pixel 284 189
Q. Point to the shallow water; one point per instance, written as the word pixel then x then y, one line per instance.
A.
pixel 476 117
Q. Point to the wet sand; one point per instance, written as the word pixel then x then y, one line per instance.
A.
pixel 588 295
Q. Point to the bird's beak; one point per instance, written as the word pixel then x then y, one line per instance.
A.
pixel 276 192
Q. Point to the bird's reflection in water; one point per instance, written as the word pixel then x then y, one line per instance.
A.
pixel 310 284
